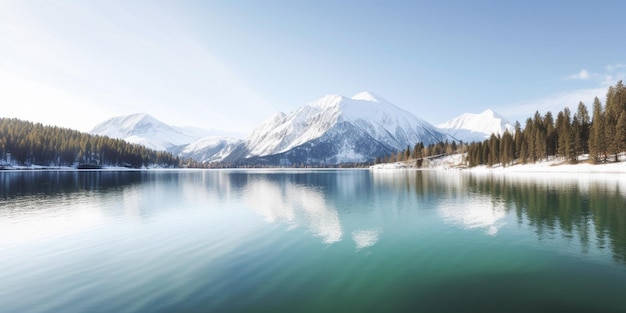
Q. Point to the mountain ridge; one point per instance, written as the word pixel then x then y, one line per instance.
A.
pixel 331 130
pixel 340 124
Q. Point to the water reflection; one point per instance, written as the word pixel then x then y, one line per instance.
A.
pixel 334 206
pixel 295 205
pixel 474 212
pixel 588 207
pixel 365 238
pixel 43 205
pixel 28 183
pixel 326 203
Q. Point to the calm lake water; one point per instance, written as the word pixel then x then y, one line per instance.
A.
pixel 311 241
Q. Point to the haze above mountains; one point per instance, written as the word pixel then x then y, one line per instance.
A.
pixel 331 130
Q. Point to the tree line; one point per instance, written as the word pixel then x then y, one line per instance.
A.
pixel 568 136
pixel 27 143
pixel 419 152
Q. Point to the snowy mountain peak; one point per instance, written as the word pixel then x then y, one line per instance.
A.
pixel 141 128
pixel 326 102
pixel 336 129
pixel 491 113
pixel 127 125
pixel 476 127
pixel 129 122
pixel 367 96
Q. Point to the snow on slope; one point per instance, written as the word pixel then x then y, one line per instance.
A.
pixel 208 149
pixel 388 123
pixel 369 116
pixel 476 127
pixel 144 129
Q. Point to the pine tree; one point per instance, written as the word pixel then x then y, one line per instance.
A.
pixel 529 140
pixel 596 135
pixel 621 132
pixel 565 139
pixel 539 137
pixel 507 147
pixel 614 98
pixel 551 135
pixel 584 124
pixel 575 139
pixel 494 150
pixel 518 137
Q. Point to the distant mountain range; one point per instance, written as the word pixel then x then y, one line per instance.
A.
pixel 332 130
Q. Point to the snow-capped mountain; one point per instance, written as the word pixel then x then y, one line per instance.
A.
pixel 332 130
pixel 208 149
pixel 146 130
pixel 476 127
pixel 335 129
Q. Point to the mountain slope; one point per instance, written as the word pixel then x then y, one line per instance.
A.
pixel 207 149
pixel 333 130
pixel 146 130
pixel 476 127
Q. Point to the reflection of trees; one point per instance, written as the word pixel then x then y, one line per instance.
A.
pixel 20 183
pixel 588 210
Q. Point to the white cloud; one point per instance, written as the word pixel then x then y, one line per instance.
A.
pixel 614 67
pixel 612 73
pixel 582 75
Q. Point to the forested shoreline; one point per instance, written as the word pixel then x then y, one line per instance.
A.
pixel 568 136
pixel 25 143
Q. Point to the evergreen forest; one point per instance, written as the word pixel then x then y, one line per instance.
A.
pixel 25 143
pixel 568 136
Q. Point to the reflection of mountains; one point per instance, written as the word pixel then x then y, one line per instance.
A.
pixel 301 200
pixel 474 212
pixel 294 205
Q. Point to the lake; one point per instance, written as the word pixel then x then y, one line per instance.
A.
pixel 311 241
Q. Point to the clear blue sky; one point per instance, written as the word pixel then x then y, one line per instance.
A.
pixel 231 65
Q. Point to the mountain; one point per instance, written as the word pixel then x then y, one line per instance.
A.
pixel 145 130
pixel 476 127
pixel 333 130
pixel 208 149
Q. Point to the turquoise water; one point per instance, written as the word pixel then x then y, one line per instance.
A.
pixel 311 241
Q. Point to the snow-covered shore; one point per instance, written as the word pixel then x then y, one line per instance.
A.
pixel 557 165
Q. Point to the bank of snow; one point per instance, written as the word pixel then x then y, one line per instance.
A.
pixel 556 165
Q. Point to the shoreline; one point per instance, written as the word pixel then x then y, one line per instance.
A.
pixel 454 162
